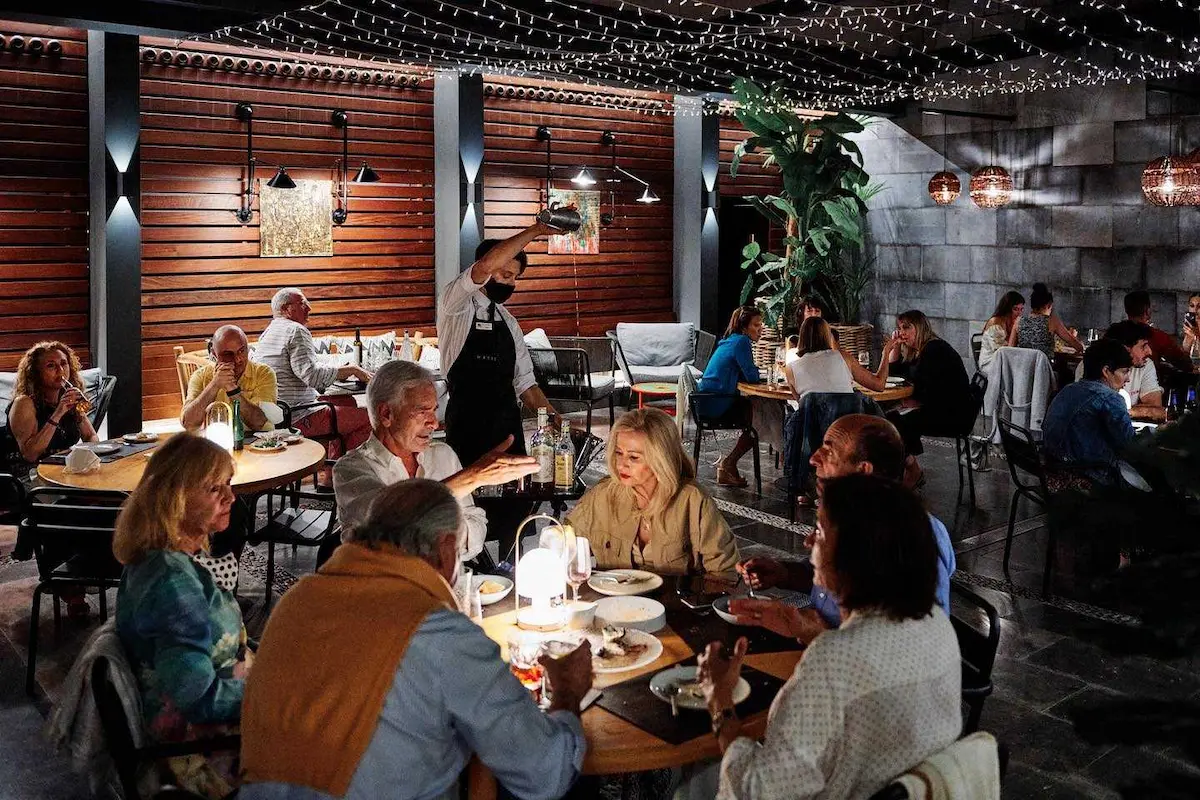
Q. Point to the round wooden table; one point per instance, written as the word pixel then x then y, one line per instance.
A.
pixel 615 745
pixel 253 472
pixel 781 391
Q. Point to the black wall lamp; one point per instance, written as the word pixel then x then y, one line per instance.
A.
pixel 364 175
pixel 280 180
pixel 542 134
pixel 585 176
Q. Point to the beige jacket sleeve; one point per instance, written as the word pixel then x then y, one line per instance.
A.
pixel 712 538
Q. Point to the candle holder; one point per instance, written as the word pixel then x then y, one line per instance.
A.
pixel 540 576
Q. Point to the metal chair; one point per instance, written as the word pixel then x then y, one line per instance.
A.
pixel 978 649
pixel 704 423
pixel 705 344
pixel 118 735
pixel 976 347
pixel 12 499
pixel 324 439
pixel 290 524
pixel 71 533
pixel 962 440
pixel 565 374
pixel 1025 462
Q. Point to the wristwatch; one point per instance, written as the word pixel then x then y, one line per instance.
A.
pixel 719 718
pixel 234 392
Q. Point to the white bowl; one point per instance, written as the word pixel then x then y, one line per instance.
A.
pixel 640 613
pixel 580 614
pixel 491 597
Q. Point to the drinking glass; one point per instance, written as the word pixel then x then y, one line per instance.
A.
pixel 864 358
pixel 579 565
pixel 524 650
pixel 84 405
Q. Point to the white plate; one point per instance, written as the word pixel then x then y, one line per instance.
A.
pixel 104 448
pixel 492 597
pixel 641 613
pixel 676 675
pixel 654 649
pixel 607 582
pixel 721 606
pixel 140 438
pixel 895 381
pixel 255 448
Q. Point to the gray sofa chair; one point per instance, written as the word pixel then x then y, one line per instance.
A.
pixel 577 370
pixel 653 351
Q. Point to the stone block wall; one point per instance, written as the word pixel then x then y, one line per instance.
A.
pixel 1078 221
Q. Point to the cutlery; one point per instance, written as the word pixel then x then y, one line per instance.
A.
pixel 673 691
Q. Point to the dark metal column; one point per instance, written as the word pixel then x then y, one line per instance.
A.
pixel 458 172
pixel 696 233
pixel 115 252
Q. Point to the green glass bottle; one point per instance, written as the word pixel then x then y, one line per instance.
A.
pixel 239 429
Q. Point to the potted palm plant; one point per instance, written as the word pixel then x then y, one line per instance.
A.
pixel 821 208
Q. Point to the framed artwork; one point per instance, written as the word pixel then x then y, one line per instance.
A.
pixel 296 222
pixel 586 240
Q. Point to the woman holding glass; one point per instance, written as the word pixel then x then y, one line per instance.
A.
pixel 48 411
pixel 649 513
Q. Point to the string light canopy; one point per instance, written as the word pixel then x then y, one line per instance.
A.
pixel 829 54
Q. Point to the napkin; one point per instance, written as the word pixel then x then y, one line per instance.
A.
pixel 82 460
pixel 272 412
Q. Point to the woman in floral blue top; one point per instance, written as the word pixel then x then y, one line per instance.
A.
pixel 181 629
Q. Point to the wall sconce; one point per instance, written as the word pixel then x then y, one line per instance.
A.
pixel 470 193
pixel 709 198
pixel 280 180
pixel 542 134
pixel 364 175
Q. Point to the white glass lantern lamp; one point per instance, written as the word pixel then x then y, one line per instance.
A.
pixel 218 425
pixel 541 578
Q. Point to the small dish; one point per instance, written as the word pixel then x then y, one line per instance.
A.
pixel 620 582
pixel 580 614
pixel 104 448
pixel 487 598
pixel 689 695
pixel 267 446
pixel 894 381
pixel 721 606
pixel 141 437
pixel 639 613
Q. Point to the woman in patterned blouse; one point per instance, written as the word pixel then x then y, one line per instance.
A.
pixel 870 699
pixel 181 629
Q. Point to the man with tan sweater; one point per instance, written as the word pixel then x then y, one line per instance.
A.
pixel 350 695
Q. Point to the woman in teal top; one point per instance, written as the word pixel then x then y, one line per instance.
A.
pixel 181 628
pixel 733 361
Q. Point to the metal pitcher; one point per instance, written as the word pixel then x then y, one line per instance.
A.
pixel 561 218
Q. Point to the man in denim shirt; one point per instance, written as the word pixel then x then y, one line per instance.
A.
pixel 1088 421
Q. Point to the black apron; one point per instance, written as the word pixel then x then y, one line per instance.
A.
pixel 483 407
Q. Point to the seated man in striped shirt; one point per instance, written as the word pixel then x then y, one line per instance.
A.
pixel 286 346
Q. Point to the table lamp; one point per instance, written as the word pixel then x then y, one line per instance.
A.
pixel 218 425
pixel 541 578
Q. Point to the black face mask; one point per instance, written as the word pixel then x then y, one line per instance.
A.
pixel 498 292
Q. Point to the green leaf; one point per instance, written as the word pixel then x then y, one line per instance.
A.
pixel 751 250
pixel 783 205
pixel 747 289
pixel 771 257
pixel 820 241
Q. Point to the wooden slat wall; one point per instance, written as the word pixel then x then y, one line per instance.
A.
pixel 752 177
pixel 630 279
pixel 201 267
pixel 43 194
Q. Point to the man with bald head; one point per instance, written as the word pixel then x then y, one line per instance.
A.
pixel 233 376
pixel 856 443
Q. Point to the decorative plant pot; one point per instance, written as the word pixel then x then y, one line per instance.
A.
pixel 764 348
pixel 854 339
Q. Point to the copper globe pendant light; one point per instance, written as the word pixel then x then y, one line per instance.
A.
pixel 991 185
pixel 1171 180
pixel 944 187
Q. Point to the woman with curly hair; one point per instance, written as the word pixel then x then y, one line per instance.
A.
pixel 44 415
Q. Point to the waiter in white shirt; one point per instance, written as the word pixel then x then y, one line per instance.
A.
pixel 484 358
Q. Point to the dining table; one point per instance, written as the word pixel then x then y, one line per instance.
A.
pixel 253 472
pixel 783 392
pixel 616 745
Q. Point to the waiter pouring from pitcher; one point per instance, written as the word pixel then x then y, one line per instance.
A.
pixel 487 366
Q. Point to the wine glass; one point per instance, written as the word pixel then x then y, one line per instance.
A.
pixel 579 565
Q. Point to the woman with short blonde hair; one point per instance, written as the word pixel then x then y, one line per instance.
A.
pixel 45 414
pixel 649 513
pixel 177 618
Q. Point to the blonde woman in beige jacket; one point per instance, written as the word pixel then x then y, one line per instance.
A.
pixel 650 513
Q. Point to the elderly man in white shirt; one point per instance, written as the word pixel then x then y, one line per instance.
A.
pixel 484 358
pixel 402 403
pixel 286 346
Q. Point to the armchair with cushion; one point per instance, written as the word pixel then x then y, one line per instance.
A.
pixel 653 351
pixel 574 369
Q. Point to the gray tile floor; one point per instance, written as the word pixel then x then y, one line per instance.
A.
pixel 1048 663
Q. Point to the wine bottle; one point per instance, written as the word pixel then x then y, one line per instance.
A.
pixel 239 428
pixel 564 460
pixel 541 447
pixel 358 347
pixel 406 348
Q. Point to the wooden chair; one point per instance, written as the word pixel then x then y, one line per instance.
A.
pixel 186 365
